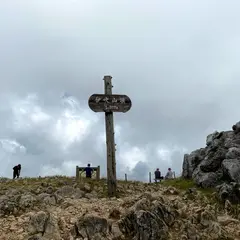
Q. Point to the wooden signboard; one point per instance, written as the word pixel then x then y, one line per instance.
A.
pixel 109 103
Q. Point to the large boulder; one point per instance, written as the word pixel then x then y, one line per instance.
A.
pixel 191 161
pixel 47 199
pixel 217 163
pixel 231 169
pixel 206 179
pixel 27 201
pixel 229 192
pixel 149 224
pixel 233 153
pixel 236 127
pixel 213 160
pixel 90 227
pixel 212 138
pixel 44 225
pixel 7 206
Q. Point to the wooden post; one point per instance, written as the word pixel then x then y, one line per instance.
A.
pixel 150 177
pixel 125 177
pixel 98 173
pixel 110 103
pixel 111 162
pixel 77 173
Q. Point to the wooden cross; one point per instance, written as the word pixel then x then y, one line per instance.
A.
pixel 110 103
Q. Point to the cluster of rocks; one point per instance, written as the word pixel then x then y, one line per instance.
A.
pixel 217 165
pixel 17 201
pixel 82 212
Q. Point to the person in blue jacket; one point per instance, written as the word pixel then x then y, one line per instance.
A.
pixel 88 171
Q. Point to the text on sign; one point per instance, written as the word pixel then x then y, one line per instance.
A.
pixel 107 100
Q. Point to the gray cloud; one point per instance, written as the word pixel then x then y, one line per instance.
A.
pixel 177 61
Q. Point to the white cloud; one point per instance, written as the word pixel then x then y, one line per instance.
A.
pixel 67 168
pixel 128 158
pixel 165 152
pixel 70 129
pixel 12 146
pixel 27 113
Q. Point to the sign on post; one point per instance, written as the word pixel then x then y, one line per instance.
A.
pixel 110 103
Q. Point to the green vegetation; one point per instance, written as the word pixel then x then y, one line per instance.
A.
pixel 185 184
pixel 179 183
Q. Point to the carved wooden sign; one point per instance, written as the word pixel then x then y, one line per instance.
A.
pixel 109 103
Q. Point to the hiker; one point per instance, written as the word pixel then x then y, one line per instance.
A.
pixel 170 174
pixel 157 175
pixel 16 171
pixel 88 171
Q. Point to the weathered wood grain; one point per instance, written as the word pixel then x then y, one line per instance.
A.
pixel 111 161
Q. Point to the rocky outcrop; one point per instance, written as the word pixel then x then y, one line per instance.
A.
pixel 43 226
pixel 218 164
pixel 90 227
pixel 151 223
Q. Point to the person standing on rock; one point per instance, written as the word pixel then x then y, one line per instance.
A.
pixel 169 174
pixel 16 171
pixel 88 171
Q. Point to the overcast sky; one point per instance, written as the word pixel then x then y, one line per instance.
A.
pixel 178 61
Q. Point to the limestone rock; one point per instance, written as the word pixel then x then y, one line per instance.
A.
pixel 233 153
pixel 229 192
pixel 65 191
pixel 87 188
pixel 37 223
pixel 7 205
pixel 231 168
pixel 45 225
pixel 191 161
pixel 114 214
pixel 226 220
pixel 206 179
pixel 90 227
pixel 147 224
pixel 27 201
pixel 211 137
pixel 217 163
pixel 236 127
pixel 212 161
pixel 47 199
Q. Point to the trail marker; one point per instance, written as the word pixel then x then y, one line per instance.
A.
pixel 110 103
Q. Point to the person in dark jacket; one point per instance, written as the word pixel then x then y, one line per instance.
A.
pixel 88 171
pixel 16 171
pixel 157 175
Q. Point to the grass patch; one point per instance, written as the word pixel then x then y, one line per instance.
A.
pixel 207 191
pixel 185 184
pixel 179 183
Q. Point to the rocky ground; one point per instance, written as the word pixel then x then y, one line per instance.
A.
pixel 59 208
